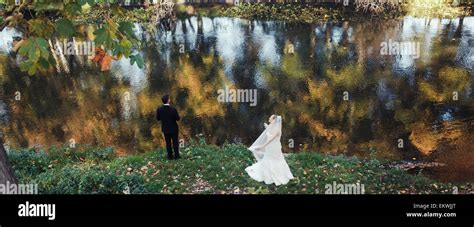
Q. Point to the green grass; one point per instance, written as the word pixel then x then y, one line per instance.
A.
pixel 204 169
pixel 301 13
pixel 289 12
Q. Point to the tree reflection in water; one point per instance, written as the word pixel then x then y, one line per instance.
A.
pixel 390 97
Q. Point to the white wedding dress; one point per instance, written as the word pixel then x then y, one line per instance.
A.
pixel 271 166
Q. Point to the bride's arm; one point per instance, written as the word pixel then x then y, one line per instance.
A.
pixel 269 140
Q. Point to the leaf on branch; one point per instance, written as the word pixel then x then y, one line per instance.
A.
pixel 104 36
pixel 43 46
pixel 36 50
pixel 40 27
pixel 91 2
pixel 24 66
pixel 45 6
pixel 81 2
pixel 32 69
pixel 65 28
pixel 137 59
pixel 44 63
pixel 106 63
pixel 127 29
pixel 73 9
pixel 103 59
pixel 12 20
pixel 34 54
pixel 117 10
pixel 124 48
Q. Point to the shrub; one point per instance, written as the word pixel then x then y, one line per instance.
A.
pixel 28 162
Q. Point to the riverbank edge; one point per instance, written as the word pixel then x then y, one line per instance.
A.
pixel 210 169
pixel 286 12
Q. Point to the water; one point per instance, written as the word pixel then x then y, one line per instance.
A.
pixel 335 91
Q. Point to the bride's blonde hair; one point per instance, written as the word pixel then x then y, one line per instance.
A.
pixel 273 117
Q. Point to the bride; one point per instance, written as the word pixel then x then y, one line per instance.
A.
pixel 271 166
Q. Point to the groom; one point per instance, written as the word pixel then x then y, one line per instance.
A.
pixel 168 116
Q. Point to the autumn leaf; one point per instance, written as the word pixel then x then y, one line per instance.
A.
pixel 99 55
pixel 103 59
pixel 106 63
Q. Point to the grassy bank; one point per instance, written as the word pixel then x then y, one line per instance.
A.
pixel 204 169
pixel 288 12
pixel 299 13
pixel 314 13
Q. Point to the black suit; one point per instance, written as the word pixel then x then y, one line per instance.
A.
pixel 168 116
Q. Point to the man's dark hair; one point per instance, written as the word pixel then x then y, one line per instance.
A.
pixel 165 99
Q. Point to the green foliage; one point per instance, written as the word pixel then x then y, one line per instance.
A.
pixel 73 9
pixel 81 2
pixel 47 6
pixel 36 49
pixel 91 2
pixel 118 39
pixel 41 27
pixel 307 13
pixel 29 163
pixel 89 179
pixel 126 28
pixel 204 169
pixel 65 28
pixel 105 36
pixel 116 36
pixel 138 59
pixel 96 15
pixel 300 13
